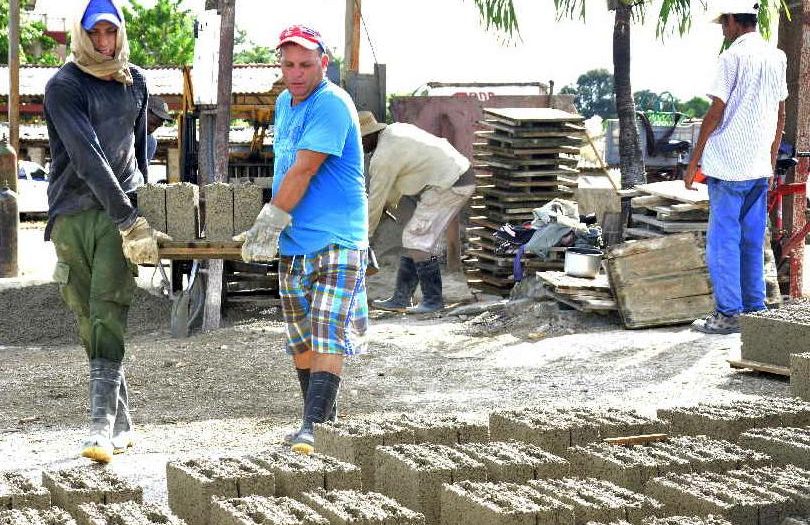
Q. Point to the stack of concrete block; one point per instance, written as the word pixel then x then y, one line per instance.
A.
pixel 183 211
pixel 729 420
pixel 515 461
pixel 677 520
pixel 344 507
pixel 219 208
pixel 786 445
pixel 557 429
pixel 487 503
pixel 247 203
pixel 444 429
pixel 598 500
pixel 193 483
pixel 632 466
pixel 413 474
pixel 757 496
pixel 73 487
pixel 297 473
pixel 261 510
pixel 152 205
pixel 18 492
pixel 127 513
pixel 796 520
pixel 354 441
pixel 50 516
pixel 770 336
pixel 800 375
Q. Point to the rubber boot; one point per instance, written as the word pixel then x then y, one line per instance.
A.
pixel 105 381
pixel 430 282
pixel 323 388
pixel 407 280
pixel 303 380
pixel 122 428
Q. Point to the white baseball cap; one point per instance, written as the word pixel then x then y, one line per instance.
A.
pixel 718 8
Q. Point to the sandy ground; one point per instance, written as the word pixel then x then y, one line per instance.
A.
pixel 232 391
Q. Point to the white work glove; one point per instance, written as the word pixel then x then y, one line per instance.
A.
pixel 140 242
pixel 260 242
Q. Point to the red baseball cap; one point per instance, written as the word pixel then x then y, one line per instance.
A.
pixel 303 36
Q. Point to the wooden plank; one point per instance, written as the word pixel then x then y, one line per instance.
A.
pixel 587 305
pixel 759 367
pixel 521 116
pixel 518 143
pixel 645 201
pixel 690 207
pixel 528 152
pixel 563 280
pixel 636 440
pixel 671 226
pixel 676 242
pixel 200 250
pixel 675 190
pixel 632 233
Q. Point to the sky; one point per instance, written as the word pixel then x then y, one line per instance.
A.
pixel 443 41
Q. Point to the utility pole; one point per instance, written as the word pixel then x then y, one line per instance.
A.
pixel 351 51
pixel 14 74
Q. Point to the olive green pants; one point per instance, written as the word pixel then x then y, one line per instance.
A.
pixel 95 280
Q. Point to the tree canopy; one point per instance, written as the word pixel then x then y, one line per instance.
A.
pixel 594 94
pixel 35 46
pixel 162 35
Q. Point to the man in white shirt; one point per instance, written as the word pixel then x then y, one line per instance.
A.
pixel 407 160
pixel 738 143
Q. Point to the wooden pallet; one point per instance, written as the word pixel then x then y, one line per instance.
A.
pixel 759 367
pixel 586 295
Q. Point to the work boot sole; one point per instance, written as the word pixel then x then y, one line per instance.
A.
pixel 98 454
pixel 700 326
pixel 399 309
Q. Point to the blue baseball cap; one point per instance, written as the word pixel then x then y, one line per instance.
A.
pixel 100 11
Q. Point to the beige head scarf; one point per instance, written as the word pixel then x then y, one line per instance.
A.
pixel 94 63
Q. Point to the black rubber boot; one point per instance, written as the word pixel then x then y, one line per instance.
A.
pixel 105 381
pixel 430 282
pixel 407 280
pixel 323 389
pixel 122 429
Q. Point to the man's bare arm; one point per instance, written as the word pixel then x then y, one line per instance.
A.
pixel 710 122
pixel 297 179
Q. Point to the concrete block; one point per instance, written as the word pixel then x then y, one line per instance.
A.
pixel 152 205
pixel 50 516
pixel 261 510
pixel 192 484
pixel 219 209
pixel 444 429
pixel 771 336
pixel 297 473
pixel 632 466
pixel 354 441
pixel 800 375
pixel 516 462
pixel 344 507
pixel 127 513
pixel 729 420
pixel 786 445
pixel 18 492
pixel 247 203
pixel 487 503
pixel 557 429
pixel 599 500
pixel 413 474
pixel 183 211
pixel 73 487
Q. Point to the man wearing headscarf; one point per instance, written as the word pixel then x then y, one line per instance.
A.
pixel 95 107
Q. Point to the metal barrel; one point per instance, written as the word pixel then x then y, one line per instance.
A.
pixel 9 226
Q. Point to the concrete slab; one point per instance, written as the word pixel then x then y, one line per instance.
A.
pixel 488 503
pixel 632 466
pixel 19 492
pixel 297 473
pixel 413 474
pixel 513 461
pixel 88 484
pixel 444 429
pixel 261 510
pixel 219 207
pixel 679 520
pixel 800 375
pixel 192 484
pixel 786 445
pixel 183 211
pixel 127 513
pixel 50 516
pixel 771 336
pixel 247 203
pixel 152 205
pixel 344 507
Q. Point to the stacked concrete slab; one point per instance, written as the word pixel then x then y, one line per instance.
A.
pixel 800 375
pixel 261 510
pixel 598 500
pixel 488 503
pixel 444 429
pixel 183 211
pixel 796 520
pixel 152 205
pixel 127 513
pixel 18 492
pixel 344 507
pixel 557 429
pixel 247 203
pixel 729 420
pixel 513 461
pixel 771 336
pixel 193 483
pixel 413 474
pixel 677 520
pixel 786 445
pixel 219 208
pixel 633 466
pixel 354 441
pixel 760 496
pixel 297 473
pixel 50 516
pixel 73 487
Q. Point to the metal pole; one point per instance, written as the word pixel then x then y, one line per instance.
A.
pixel 14 74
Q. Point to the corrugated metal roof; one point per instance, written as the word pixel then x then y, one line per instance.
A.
pixel 32 80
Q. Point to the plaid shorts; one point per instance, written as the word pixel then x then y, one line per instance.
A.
pixel 323 299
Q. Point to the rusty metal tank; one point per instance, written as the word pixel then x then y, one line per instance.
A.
pixel 9 216
pixel 8 165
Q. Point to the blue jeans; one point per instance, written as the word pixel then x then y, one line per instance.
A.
pixel 735 244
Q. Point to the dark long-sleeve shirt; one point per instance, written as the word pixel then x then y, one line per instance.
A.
pixel 97 133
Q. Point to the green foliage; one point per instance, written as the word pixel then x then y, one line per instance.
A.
pixel 162 35
pixel 695 107
pixel 647 100
pixel 594 94
pixel 498 15
pixel 246 51
pixel 35 46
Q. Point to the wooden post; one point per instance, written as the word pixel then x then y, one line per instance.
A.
pixel 351 53
pixel 14 74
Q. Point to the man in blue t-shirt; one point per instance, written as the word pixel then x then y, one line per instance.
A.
pixel 317 222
